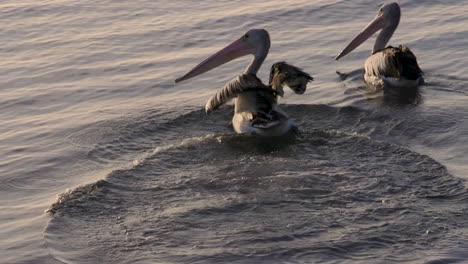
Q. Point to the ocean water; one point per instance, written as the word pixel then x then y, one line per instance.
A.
pixel 106 160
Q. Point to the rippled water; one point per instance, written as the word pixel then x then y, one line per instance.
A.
pixel 132 171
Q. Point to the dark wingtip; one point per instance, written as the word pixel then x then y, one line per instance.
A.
pixel 308 76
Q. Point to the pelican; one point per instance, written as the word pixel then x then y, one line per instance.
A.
pixel 387 66
pixel 256 110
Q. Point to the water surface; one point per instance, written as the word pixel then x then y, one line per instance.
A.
pixel 132 171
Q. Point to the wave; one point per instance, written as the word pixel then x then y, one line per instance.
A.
pixel 336 193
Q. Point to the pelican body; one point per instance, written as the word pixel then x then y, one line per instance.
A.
pixel 387 66
pixel 256 110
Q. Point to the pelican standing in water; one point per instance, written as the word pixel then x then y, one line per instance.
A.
pixel 387 66
pixel 256 110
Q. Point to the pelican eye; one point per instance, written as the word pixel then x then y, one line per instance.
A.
pixel 246 36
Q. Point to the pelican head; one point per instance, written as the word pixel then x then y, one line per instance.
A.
pixel 254 42
pixel 386 19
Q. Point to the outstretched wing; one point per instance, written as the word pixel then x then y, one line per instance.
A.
pixel 283 74
pixel 242 83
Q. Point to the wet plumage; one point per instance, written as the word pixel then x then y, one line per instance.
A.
pixel 256 110
pixel 393 62
pixel 283 74
pixel 242 83
pixel 391 66
pixel 266 113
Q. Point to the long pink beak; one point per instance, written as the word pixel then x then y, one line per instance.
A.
pixel 234 50
pixel 376 24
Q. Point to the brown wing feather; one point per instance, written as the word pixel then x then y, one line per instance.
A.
pixel 281 74
pixel 232 89
pixel 396 62
pixel 408 63
pixel 285 74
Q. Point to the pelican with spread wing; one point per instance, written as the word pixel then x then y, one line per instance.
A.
pixel 256 109
pixel 387 66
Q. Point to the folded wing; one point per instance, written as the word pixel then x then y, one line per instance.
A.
pixel 396 62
